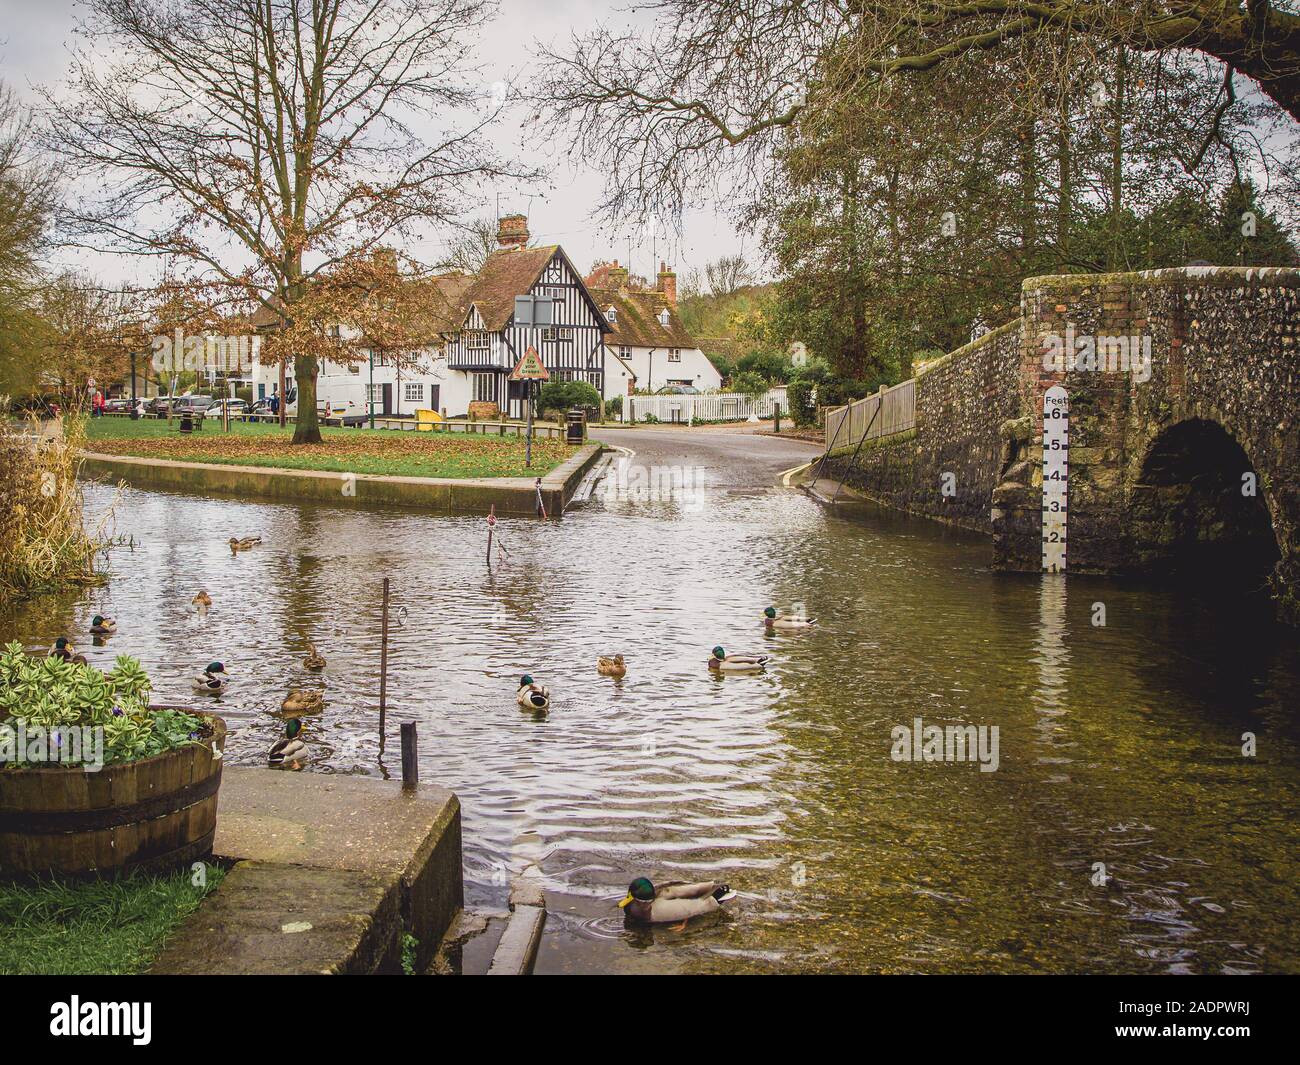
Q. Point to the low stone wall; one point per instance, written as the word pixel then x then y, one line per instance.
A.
pixel 509 495
pixel 947 468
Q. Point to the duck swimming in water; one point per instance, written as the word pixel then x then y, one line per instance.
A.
pixel 531 696
pixel 673 903
pixel 237 544
pixel 302 701
pixel 288 750
pixel 213 680
pixel 774 621
pixel 102 626
pixel 725 663
pixel 611 666
pixel 62 649
pixel 315 660
pixel 202 600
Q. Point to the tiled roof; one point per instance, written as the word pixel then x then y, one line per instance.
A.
pixel 638 319
pixel 506 274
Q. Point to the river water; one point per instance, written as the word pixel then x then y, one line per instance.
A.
pixel 1119 744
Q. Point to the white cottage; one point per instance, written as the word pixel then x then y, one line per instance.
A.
pixel 650 347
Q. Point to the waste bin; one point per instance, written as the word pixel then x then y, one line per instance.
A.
pixel 575 426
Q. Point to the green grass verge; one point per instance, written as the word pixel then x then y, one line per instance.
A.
pixel 384 452
pixel 111 927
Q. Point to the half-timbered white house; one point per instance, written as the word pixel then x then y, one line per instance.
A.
pixel 525 297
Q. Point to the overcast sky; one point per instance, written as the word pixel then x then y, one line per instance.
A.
pixel 34 40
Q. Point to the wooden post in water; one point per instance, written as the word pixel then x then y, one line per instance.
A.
pixel 410 755
pixel 383 665
pixel 492 524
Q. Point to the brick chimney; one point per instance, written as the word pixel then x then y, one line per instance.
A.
pixel 512 231
pixel 668 283
pixel 617 276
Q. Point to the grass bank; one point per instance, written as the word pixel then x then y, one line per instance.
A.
pixel 384 452
pixel 112 927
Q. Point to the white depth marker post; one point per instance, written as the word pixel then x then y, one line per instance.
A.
pixel 1056 474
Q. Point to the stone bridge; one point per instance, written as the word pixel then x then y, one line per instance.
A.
pixel 1184 428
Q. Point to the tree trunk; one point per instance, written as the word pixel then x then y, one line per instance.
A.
pixel 1065 202
pixel 1117 164
pixel 307 427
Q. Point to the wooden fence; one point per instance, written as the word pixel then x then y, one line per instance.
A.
pixel 889 411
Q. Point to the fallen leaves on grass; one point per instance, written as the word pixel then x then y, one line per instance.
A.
pixel 398 453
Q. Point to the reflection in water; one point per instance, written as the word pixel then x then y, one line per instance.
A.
pixel 1119 744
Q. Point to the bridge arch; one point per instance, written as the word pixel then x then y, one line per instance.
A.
pixel 1200 507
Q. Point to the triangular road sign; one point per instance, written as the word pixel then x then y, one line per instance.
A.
pixel 530 368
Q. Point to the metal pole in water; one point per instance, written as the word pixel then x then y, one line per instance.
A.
pixel 541 506
pixel 383 665
pixel 410 755
pixel 492 524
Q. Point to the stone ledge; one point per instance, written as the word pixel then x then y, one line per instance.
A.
pixel 473 495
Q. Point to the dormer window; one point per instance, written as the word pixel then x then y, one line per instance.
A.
pixel 611 315
pixel 663 318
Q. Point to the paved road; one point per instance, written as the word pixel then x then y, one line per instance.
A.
pixel 731 459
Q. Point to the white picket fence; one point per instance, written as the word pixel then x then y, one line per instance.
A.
pixel 717 407
pixel 889 411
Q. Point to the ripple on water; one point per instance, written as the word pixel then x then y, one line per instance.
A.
pixel 782 783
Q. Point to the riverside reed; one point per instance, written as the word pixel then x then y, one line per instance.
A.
pixel 44 541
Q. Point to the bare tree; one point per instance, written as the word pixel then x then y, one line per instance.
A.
pixel 470 250
pixel 263 142
pixel 716 83
pixel 727 274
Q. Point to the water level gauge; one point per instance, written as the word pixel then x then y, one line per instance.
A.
pixel 1056 474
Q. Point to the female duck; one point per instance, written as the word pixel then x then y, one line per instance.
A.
pixel 102 626
pixel 611 666
pixel 315 661
pixel 724 663
pixel 786 624
pixel 673 903
pixel 202 601
pixel 289 750
pixel 302 701
pixel 213 680
pixel 237 544
pixel 531 696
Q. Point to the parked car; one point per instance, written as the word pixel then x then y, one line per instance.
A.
pixel 41 406
pixel 192 405
pixel 121 405
pixel 678 390
pixel 237 408
pixel 157 406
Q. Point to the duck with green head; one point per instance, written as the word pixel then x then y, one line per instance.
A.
pixel 289 750
pixel 675 902
pixel 62 649
pixel 102 626
pixel 722 662
pixel 532 696
pixel 213 680
pixel 786 624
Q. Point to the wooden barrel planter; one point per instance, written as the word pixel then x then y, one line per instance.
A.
pixel 151 814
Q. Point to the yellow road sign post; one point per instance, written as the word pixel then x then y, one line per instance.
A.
pixel 529 368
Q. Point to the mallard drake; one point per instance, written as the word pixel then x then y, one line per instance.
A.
pixel 62 649
pixel 303 701
pixel 725 663
pixel 214 679
pixel 673 903
pixel 315 660
pixel 288 750
pixel 102 626
pixel 238 544
pixel 773 621
pixel 532 696
pixel 202 600
pixel 611 666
